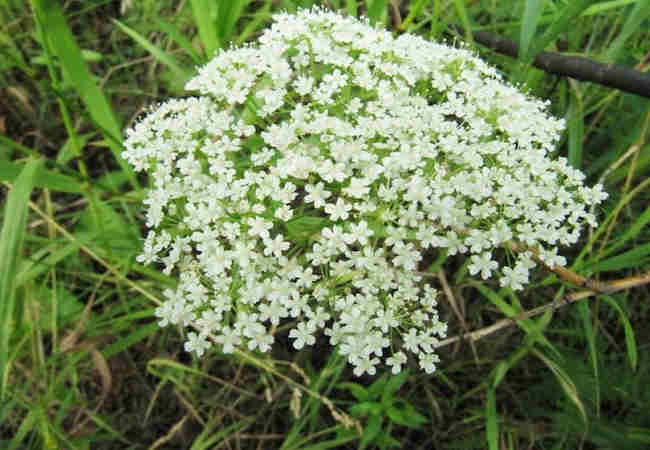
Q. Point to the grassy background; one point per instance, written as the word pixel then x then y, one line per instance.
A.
pixel 82 362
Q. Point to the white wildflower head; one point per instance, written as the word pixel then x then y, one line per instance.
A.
pixel 319 168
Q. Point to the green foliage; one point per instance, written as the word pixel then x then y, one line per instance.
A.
pixel 382 407
pixel 83 364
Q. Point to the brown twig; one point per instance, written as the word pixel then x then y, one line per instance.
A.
pixel 612 286
pixel 577 67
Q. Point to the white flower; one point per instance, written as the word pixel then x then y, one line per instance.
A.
pixel 259 227
pixel 482 263
pixel 196 343
pixel 283 193
pixel 396 361
pixel 339 210
pixel 276 246
pixel 366 365
pixel 303 334
pixel 361 232
pixel 317 194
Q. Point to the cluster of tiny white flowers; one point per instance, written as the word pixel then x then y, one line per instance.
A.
pixel 318 170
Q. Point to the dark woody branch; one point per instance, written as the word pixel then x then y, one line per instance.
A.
pixel 579 68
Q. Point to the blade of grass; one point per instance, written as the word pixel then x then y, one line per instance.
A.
pixel 376 11
pixel 414 11
pixel 532 12
pixel 567 384
pixel 228 13
pixel 61 41
pixel 606 6
pixel 205 15
pixel 351 7
pixel 630 339
pixel 529 326
pixel 260 16
pixel 464 19
pixel 46 178
pixel 590 336
pixel 636 257
pixel 11 239
pixel 576 127
pixel 180 39
pixel 637 16
pixel 491 420
pixel 157 53
pixel 559 25
pixel 631 232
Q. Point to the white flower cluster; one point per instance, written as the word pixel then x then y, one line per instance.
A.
pixel 319 169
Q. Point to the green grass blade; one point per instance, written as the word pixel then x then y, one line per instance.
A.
pixel 216 21
pixel 61 41
pixel 464 19
pixel 49 179
pixel 636 257
pixel 532 12
pixel 634 20
pixel 157 53
pixel 567 384
pixel 531 327
pixel 630 339
pixel 205 16
pixel 228 13
pixel 376 11
pixel 351 7
pixel 631 232
pixel 180 39
pixel 414 11
pixel 590 336
pixel 261 15
pixel 576 128
pixel 559 25
pixel 11 239
pixel 602 7
pixel 492 420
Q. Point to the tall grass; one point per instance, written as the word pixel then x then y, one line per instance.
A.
pixel 83 364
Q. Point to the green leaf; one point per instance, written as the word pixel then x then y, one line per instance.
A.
pixel 11 241
pixel 377 388
pixel 114 234
pixel 304 227
pixel 371 430
pixel 359 392
pixel 412 417
pixel 365 409
pixel 393 384
pixel 396 415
